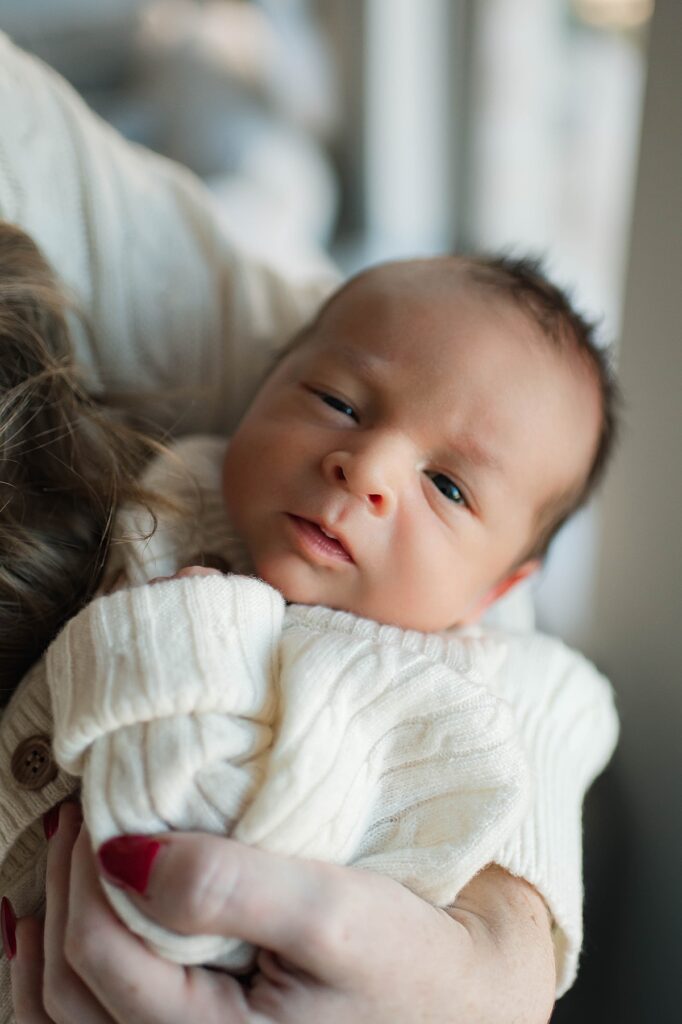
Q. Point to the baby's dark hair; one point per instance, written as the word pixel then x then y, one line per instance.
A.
pixel 523 281
pixel 66 462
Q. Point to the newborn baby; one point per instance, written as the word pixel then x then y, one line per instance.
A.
pixel 405 463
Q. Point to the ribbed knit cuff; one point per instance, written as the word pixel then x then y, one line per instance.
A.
pixel 569 727
pixel 195 645
pixel 475 653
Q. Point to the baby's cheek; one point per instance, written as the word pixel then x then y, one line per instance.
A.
pixel 421 594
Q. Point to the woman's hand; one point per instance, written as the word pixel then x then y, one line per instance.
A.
pixel 342 945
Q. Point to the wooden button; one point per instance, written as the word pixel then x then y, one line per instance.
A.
pixel 32 763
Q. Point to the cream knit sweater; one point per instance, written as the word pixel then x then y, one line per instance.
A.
pixel 204 703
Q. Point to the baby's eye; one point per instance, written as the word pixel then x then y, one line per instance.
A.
pixel 338 404
pixel 448 488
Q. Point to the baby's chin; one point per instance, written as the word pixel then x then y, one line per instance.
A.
pixel 299 586
pixel 298 583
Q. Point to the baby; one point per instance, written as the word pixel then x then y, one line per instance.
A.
pixel 414 452
pixel 406 463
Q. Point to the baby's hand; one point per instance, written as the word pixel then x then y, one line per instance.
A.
pixel 188 570
pixel 120 582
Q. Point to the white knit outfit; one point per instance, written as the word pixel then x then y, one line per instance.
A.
pixel 203 703
pixel 172 306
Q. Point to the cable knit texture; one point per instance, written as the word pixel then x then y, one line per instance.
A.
pixel 196 704
pixel 404 752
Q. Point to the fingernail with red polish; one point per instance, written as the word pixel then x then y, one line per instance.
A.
pixel 127 860
pixel 8 924
pixel 51 822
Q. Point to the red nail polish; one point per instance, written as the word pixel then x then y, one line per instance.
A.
pixel 8 925
pixel 51 822
pixel 127 860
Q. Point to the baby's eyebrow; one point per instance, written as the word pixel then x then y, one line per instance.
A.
pixel 375 370
pixel 369 364
pixel 471 450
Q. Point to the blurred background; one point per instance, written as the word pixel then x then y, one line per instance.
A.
pixel 372 129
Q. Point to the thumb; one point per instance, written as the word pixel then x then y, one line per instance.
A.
pixel 195 883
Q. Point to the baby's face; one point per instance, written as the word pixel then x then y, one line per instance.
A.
pixel 395 464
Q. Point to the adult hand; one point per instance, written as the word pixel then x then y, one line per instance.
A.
pixel 342 945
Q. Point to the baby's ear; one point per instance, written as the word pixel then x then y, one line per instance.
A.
pixel 517 575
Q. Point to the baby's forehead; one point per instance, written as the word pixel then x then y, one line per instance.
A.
pixel 418 292
pixel 440 297
pixel 391 314
pixel 404 280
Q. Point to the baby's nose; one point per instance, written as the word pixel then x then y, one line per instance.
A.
pixel 361 477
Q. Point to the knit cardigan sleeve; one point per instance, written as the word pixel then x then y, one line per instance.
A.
pixel 564 711
pixel 176 312
pixel 186 705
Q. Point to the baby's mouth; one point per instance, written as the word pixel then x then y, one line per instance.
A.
pixel 319 539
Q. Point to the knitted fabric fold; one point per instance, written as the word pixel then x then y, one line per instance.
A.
pixel 565 714
pixel 194 704
pixel 150 653
pixel 562 730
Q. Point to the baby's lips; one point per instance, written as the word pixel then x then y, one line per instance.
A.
pixel 340 541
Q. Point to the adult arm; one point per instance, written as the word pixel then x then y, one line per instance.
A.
pixel 172 306
pixel 343 945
